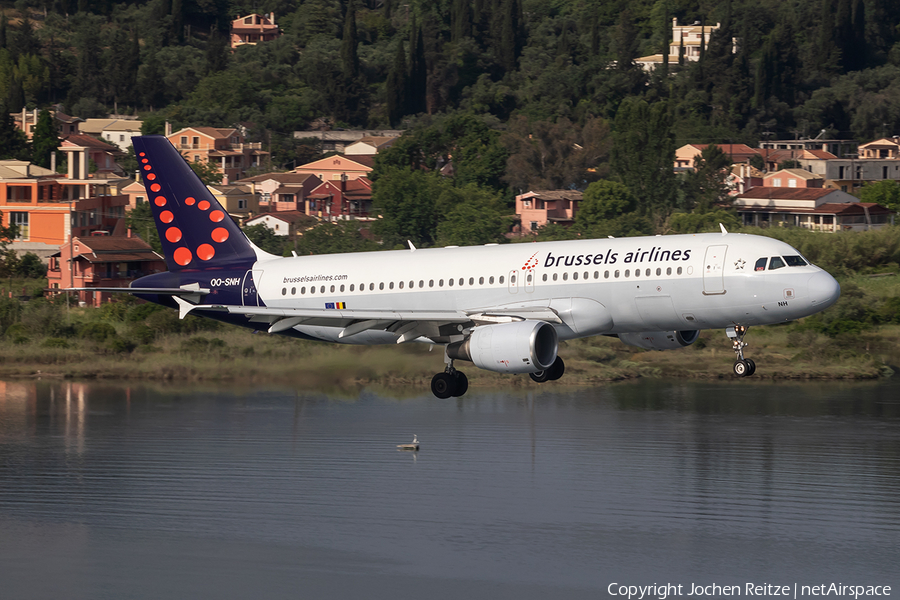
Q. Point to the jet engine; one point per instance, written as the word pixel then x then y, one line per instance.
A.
pixel 660 340
pixel 520 347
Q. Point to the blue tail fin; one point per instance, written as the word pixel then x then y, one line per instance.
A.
pixel 195 231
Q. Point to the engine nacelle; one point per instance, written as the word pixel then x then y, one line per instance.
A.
pixel 520 347
pixel 660 340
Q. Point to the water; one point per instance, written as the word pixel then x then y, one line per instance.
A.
pixel 109 491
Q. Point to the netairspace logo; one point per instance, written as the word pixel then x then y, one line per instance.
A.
pixel 663 591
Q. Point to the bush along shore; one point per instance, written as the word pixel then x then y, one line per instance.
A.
pixel 855 339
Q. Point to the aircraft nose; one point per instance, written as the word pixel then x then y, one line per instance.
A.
pixel 824 290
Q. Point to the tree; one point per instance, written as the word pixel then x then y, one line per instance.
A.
pixel 141 222
pixel 474 217
pixel 208 172
pixel 13 143
pixel 409 204
pixel 608 209
pixel 705 185
pixel 44 141
pixel 266 239
pixel 643 152
pixel 396 87
pixel 332 238
pixel 886 193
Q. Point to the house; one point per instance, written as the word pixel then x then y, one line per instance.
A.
pixel 883 148
pixel 335 168
pixel 686 39
pixel 224 148
pixel 341 200
pixel 774 158
pixel 65 125
pixel 240 201
pixel 253 29
pixel 288 222
pixel 793 178
pixel 282 191
pixel 742 178
pixel 81 150
pixel 820 209
pixel 850 174
pixel 538 208
pixel 337 140
pixel 50 209
pixel 684 156
pixel 833 147
pixel 117 131
pixel 369 145
pixel 102 261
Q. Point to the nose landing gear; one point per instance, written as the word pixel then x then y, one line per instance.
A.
pixel 743 367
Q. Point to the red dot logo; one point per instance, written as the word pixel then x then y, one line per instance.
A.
pixel 203 205
pixel 189 201
pixel 151 176
pixel 219 234
pixel 173 234
pixel 155 187
pixel 145 160
pixel 160 200
pixel 182 256
pixel 142 154
pixel 146 167
pixel 205 252
pixel 166 216
pixel 216 216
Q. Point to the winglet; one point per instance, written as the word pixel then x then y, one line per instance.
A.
pixel 724 231
pixel 411 247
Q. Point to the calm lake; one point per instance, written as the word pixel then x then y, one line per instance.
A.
pixel 151 492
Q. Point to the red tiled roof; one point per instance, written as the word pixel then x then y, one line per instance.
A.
pixel 82 139
pixel 778 193
pixel 109 243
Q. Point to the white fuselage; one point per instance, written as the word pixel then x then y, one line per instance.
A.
pixel 597 286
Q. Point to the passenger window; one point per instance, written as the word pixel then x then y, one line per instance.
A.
pixel 596 274
pixel 555 275
pixel 512 279
pixel 776 263
pixel 351 288
pixel 322 289
pixel 303 290
pixel 332 289
pixel 544 278
pixel 481 280
pixel 284 291
pixel 461 281
pixel 586 274
pixel 500 281
pixel 471 281
pixel 647 272
pixel 450 282
pixel 431 283
pixel 422 284
pixel 440 283
pixel 371 287
pixel 617 274
pixel 294 291
pixel 491 280
pixel 312 289
pixel 761 264
pixel 658 271
pixel 390 285
pixel 668 270
pixel 627 272
pixel 575 276
pixel 795 261
pixel 401 285
pixel 412 284
pixel 678 272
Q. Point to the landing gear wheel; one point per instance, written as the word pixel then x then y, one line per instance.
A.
pixel 443 385
pixel 540 376
pixel 556 370
pixel 460 383
pixel 752 366
pixel 741 368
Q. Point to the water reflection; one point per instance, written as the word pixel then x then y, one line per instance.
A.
pixel 276 492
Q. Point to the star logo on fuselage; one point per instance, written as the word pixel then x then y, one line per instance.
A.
pixel 739 264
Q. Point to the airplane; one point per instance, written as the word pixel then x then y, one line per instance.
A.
pixel 504 308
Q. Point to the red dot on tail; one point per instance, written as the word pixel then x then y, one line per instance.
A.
pixel 146 167
pixel 145 160
pixel 205 252
pixel 142 154
pixel 219 234
pixel 216 216
pixel 173 234
pixel 155 187
pixel 151 176
pixel 166 216
pixel 160 200
pixel 182 256
pixel 203 205
pixel 189 201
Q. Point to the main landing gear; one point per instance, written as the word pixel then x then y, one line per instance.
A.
pixel 555 371
pixel 743 367
pixel 449 383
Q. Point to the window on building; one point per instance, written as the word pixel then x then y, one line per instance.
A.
pixel 20 220
pixel 242 203
pixel 776 182
pixel 184 140
pixel 792 183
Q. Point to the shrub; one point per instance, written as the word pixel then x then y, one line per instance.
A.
pixel 120 345
pixel 54 342
pixel 96 332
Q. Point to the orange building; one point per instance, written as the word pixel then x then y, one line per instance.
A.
pixel 253 29
pixel 334 168
pixel 536 209
pixel 102 261
pixel 224 148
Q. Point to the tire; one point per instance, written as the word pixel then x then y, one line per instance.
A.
pixel 752 366
pixel 556 370
pixel 540 376
pixel 460 384
pixel 442 385
pixel 741 368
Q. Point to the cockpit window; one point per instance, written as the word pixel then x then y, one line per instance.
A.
pixel 761 264
pixel 776 263
pixel 795 261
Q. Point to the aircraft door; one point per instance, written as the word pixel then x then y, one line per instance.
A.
pixel 714 270
pixel 530 276
pixel 250 288
pixel 513 282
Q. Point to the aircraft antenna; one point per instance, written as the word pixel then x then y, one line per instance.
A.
pixel 724 231
pixel 411 247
